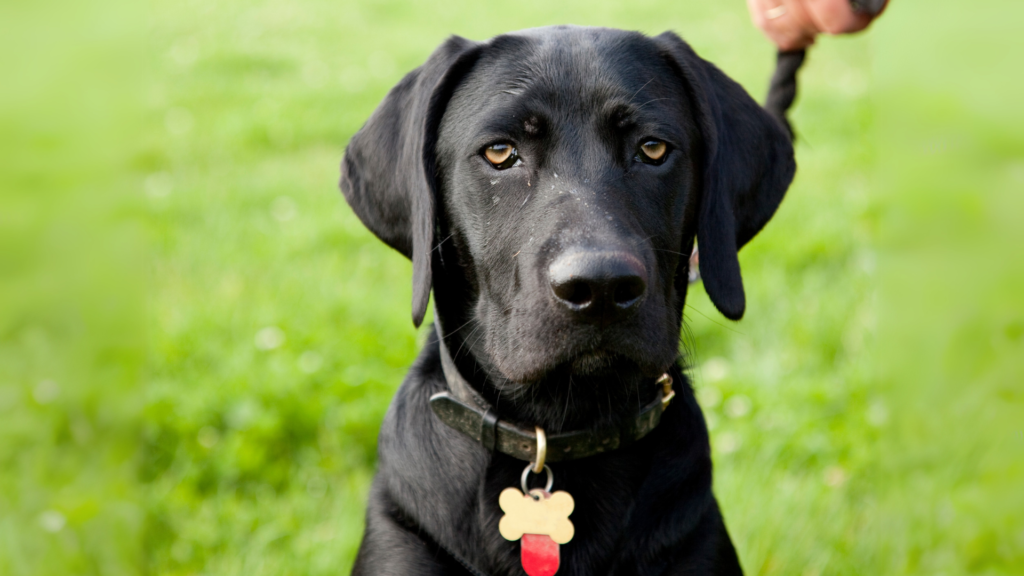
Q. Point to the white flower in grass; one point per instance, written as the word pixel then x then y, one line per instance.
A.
pixel 738 406
pixel 709 396
pixel 158 185
pixel 877 414
pixel 283 209
pixel 728 442
pixel 715 369
pixel 52 521
pixel 835 476
pixel 310 361
pixel 46 391
pixel 269 338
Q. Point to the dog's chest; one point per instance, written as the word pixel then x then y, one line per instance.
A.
pixel 605 491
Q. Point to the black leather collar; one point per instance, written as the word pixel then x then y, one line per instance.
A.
pixel 466 410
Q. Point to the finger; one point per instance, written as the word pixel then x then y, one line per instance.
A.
pixel 784 22
pixel 836 16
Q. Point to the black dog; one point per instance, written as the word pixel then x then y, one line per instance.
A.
pixel 548 186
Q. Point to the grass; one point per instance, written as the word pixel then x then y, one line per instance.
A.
pixel 198 339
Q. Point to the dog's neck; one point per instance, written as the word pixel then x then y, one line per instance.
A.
pixel 463 408
pixel 560 401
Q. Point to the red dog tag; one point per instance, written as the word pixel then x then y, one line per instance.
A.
pixel 541 521
pixel 539 555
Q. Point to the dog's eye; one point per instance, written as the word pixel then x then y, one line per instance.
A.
pixel 501 155
pixel 652 152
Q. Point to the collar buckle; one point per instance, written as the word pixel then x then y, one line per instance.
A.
pixel 667 393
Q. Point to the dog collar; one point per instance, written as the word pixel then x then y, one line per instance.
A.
pixel 463 408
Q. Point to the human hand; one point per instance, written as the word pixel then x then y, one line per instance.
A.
pixel 794 24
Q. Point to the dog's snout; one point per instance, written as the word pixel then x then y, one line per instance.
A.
pixel 598 286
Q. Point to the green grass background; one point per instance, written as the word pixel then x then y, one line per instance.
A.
pixel 198 339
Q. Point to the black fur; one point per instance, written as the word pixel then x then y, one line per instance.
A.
pixel 576 102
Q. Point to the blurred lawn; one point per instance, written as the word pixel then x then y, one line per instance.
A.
pixel 198 340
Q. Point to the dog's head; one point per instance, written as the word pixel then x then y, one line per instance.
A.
pixel 549 185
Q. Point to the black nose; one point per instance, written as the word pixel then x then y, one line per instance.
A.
pixel 598 286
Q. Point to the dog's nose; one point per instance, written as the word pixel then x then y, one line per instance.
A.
pixel 598 286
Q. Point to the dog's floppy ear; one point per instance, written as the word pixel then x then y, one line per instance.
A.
pixel 388 172
pixel 747 167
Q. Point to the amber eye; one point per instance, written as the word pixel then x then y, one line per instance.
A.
pixel 501 156
pixel 652 152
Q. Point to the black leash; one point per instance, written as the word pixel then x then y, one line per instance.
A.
pixel 782 89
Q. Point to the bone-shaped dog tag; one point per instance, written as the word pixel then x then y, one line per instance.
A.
pixel 541 520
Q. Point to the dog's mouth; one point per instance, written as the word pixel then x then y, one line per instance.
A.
pixel 531 344
pixel 599 386
pixel 598 363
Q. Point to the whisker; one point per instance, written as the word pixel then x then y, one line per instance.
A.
pixel 464 340
pixel 639 89
pixel 713 321
pixel 468 322
pixel 670 251
pixel 649 101
pixel 438 245
pixel 568 397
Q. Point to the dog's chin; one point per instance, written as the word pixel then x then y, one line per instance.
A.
pixel 590 364
pixel 599 363
pixel 601 386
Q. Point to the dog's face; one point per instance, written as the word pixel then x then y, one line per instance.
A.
pixel 567 172
pixel 548 186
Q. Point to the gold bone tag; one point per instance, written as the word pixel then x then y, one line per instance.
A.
pixel 547 516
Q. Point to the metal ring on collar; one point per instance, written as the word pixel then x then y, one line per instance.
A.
pixel 526 475
pixel 542 450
